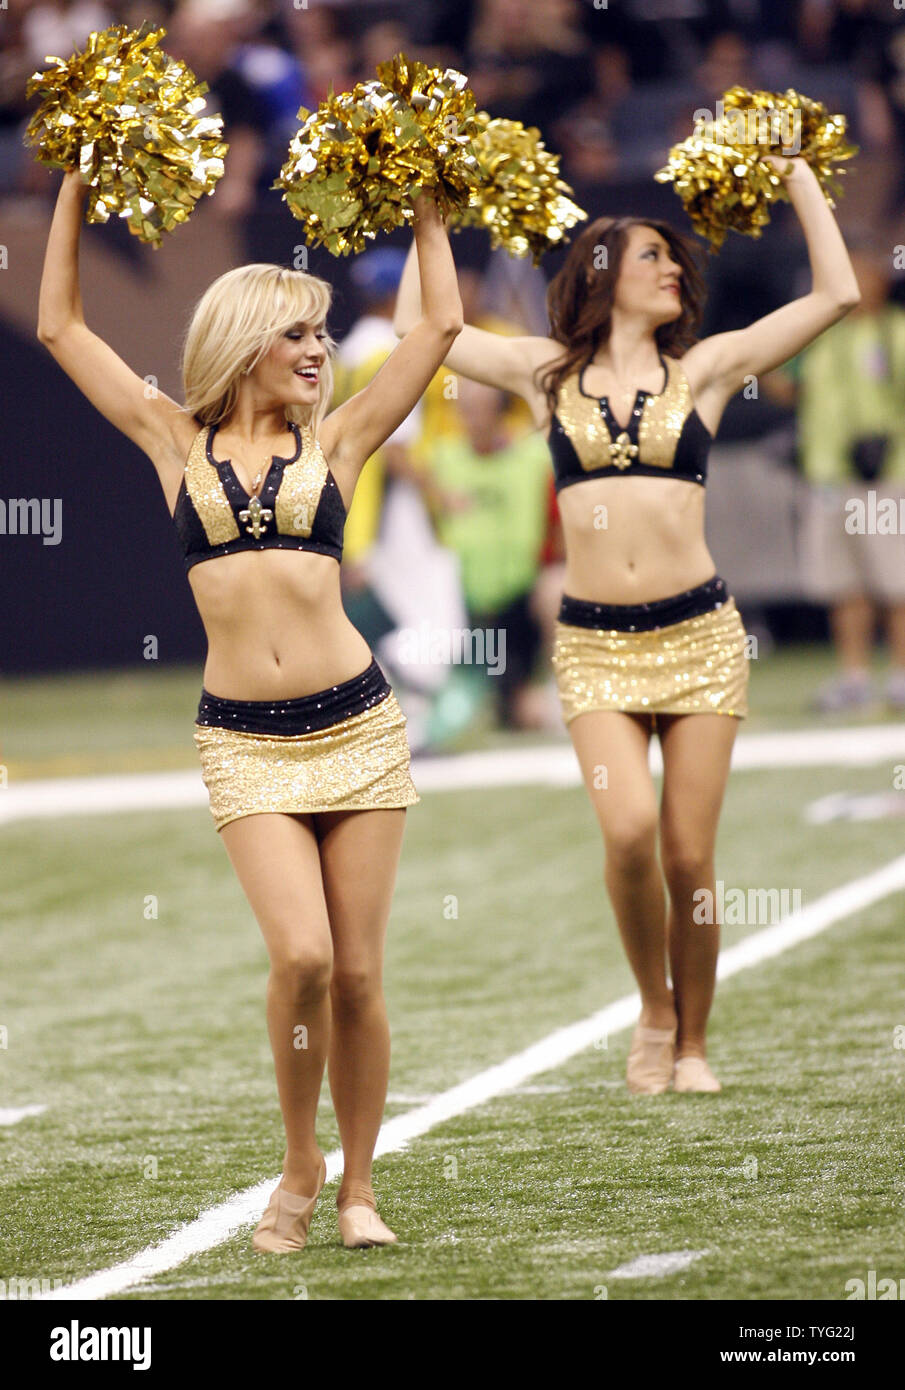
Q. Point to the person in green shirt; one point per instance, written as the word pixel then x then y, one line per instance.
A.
pixel 489 489
pixel 852 443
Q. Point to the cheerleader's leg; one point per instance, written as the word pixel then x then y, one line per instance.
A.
pixel 276 859
pixel 612 750
pixel 697 749
pixel 359 855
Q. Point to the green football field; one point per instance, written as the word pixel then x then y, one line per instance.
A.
pixel 144 1039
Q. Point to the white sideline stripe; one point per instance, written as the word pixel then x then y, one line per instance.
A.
pixel 553 766
pixel 217 1224
pixel 12 1115
pixel 851 807
pixel 656 1266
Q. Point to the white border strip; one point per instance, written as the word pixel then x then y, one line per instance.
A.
pixel 219 1223
pixel 552 765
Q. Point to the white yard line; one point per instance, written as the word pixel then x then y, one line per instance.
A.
pixel 853 806
pixel 547 765
pixel 656 1266
pixel 14 1115
pixel 219 1223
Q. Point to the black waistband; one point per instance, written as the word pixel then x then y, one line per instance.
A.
pixel 305 715
pixel 644 617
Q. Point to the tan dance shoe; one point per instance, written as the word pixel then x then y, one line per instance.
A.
pixel 651 1060
pixel 693 1074
pixel 284 1225
pixel 360 1226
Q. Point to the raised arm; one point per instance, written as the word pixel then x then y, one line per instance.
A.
pixel 495 359
pixel 717 366
pixel 352 432
pixel 154 422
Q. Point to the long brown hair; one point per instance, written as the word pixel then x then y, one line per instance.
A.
pixel 580 297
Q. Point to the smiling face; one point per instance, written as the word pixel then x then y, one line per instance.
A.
pixel 290 370
pixel 649 277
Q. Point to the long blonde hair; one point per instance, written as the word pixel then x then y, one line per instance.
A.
pixel 235 322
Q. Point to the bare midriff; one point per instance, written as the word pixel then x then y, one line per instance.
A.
pixel 633 540
pixel 275 624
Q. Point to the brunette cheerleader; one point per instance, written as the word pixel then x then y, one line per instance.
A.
pixel 649 637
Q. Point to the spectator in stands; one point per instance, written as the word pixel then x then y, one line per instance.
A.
pixel 380 42
pixel 396 577
pixel 207 35
pixel 525 61
pixel 28 33
pixel 866 37
pixel 852 428
pixel 727 62
pixel 375 276
pixel 583 136
pixel 59 28
pixel 441 411
pixel 325 49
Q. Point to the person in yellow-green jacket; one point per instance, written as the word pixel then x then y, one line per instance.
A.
pixel 397 578
pixel 489 488
pixel 852 447
pixel 364 349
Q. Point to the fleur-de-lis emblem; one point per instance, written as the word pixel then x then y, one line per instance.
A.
pixel 622 451
pixel 257 515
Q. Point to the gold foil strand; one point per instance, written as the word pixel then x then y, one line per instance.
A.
pixel 521 200
pixel 128 117
pixel 357 161
pixel 720 172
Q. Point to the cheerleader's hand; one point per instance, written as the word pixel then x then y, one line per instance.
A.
pixel 425 209
pixel 792 170
pixel 74 184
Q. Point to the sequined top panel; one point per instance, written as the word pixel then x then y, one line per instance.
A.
pixel 664 433
pixel 299 506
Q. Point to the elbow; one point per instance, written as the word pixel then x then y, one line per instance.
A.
pixel 447 326
pixel 50 334
pixel 843 297
pixel 450 326
pixel 53 327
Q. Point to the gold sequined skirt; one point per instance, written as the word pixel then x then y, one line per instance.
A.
pixel 361 762
pixel 697 665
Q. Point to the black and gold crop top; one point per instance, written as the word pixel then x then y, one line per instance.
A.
pixel 299 506
pixel 664 436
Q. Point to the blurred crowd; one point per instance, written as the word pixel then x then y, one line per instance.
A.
pixel 609 85
pixel 452 560
pixel 454 526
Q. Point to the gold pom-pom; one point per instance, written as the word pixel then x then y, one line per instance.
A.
pixel 127 116
pixel 521 200
pixel 720 172
pixel 444 108
pixel 357 161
